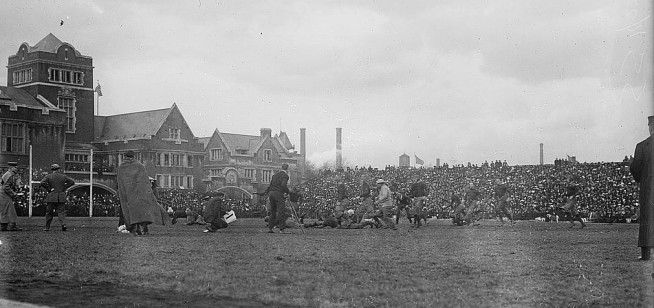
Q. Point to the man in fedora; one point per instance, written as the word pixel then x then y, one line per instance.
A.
pixel 641 169
pixel 8 191
pixel 56 184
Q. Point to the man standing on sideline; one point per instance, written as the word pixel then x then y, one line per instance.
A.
pixel 8 191
pixel 385 201
pixel 56 184
pixel 277 189
pixel 501 194
pixel 641 169
pixel 137 201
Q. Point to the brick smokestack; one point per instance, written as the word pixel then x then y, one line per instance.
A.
pixel 541 154
pixel 303 142
pixel 303 152
pixel 339 143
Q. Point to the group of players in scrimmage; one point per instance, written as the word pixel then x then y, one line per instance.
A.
pixel 378 210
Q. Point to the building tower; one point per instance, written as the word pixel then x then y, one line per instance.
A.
pixel 55 72
pixel 339 155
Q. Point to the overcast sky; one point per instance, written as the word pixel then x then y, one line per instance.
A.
pixel 456 80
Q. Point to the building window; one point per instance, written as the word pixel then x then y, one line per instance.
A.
pixel 266 176
pixel 159 179
pixel 66 76
pixel 12 137
pixel 249 173
pixel 267 155
pixel 216 154
pixel 166 181
pixel 22 76
pixel 173 133
pixel 68 104
pixel 76 158
pixel 216 172
pixel 166 159
pixel 242 152
pixel 189 161
pixel 189 181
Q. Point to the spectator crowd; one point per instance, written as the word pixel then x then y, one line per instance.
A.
pixel 607 190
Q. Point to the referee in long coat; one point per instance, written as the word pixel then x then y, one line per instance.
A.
pixel 641 169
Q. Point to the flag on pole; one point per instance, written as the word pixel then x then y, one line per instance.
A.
pixel 419 161
pixel 98 90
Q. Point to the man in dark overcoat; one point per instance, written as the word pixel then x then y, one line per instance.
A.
pixel 641 169
pixel 56 184
pixel 9 189
pixel 137 201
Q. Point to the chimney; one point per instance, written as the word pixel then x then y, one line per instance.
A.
pixel 438 162
pixel 339 142
pixel 303 153
pixel 541 154
pixel 303 141
pixel 266 132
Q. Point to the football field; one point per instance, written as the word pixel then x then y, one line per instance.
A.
pixel 533 264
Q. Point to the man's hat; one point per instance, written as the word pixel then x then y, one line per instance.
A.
pixel 381 181
pixel 12 164
pixel 55 167
pixel 650 120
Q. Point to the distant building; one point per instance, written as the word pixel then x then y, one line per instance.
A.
pixel 405 161
pixel 162 141
pixel 242 164
pixel 48 103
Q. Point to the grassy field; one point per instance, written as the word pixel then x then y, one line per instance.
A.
pixel 533 264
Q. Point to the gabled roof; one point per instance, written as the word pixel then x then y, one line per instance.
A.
pixel 251 143
pixel 20 97
pixel 283 139
pixel 50 43
pixel 204 141
pixel 240 142
pixel 137 125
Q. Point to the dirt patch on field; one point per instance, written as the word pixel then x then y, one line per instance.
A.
pixel 58 293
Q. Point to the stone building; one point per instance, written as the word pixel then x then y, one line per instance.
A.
pixel 242 164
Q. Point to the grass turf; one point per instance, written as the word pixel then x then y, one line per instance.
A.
pixel 440 265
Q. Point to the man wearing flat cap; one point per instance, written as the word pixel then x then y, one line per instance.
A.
pixel 8 191
pixel 56 184
pixel 641 169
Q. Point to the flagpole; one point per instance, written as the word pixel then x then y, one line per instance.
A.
pixel 91 185
pixel 30 190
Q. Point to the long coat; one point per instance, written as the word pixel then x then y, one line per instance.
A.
pixel 640 169
pixel 56 185
pixel 137 201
